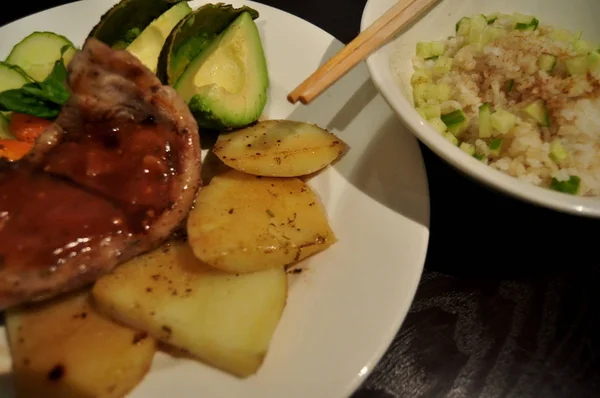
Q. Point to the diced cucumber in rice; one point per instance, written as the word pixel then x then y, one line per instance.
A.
pixel 570 186
pixel 539 111
pixel 487 110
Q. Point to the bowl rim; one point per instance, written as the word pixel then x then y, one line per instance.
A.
pixel 384 82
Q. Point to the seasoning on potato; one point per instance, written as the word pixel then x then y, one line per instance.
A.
pixel 64 348
pixel 245 223
pixel 223 319
pixel 279 148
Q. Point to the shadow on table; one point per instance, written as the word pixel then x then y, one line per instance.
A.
pixel 477 232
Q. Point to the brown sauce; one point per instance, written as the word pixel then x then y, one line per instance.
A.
pixel 103 182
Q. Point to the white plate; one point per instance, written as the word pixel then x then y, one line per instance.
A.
pixel 438 23
pixel 344 310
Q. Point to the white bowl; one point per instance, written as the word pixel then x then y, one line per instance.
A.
pixel 439 23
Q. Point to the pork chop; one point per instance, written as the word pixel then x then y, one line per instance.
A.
pixel 113 177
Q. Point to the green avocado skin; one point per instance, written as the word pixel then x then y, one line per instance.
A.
pixel 121 24
pixel 192 35
pixel 207 119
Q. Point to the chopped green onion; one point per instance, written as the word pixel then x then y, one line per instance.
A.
pixel 571 186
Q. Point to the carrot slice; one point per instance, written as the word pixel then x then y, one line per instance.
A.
pixel 14 149
pixel 26 127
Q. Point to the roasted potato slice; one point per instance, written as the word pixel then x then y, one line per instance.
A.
pixel 279 148
pixel 63 348
pixel 244 223
pixel 224 319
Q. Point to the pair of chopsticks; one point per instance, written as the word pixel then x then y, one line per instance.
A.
pixel 371 39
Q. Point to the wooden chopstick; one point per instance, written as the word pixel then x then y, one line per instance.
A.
pixel 371 39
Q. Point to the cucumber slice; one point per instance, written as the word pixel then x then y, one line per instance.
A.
pixel 525 22
pixel 485 121
pixel 571 186
pixel 593 60
pixel 437 124
pixel 467 148
pixel 502 121
pixel 442 65
pixel 481 157
pixel 577 65
pixel 12 77
pixel 429 50
pixel 5 133
pixel 463 27
pixel 539 112
pixel 420 76
pixel 451 138
pixel 453 118
pixel 495 146
pixel 491 18
pixel 563 35
pixel 557 152
pixel 37 53
pixel 430 111
pixel 492 33
pixel 547 62
pixel 478 22
pixel 582 46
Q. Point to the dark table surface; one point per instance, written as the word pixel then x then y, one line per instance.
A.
pixel 508 303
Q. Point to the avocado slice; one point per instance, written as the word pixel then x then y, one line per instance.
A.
pixel 148 45
pixel 192 35
pixel 226 85
pixel 126 20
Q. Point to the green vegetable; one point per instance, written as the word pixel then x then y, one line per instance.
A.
pixel 557 152
pixel 571 186
pixel 453 118
pixel 547 62
pixel 467 148
pixel 577 65
pixel 226 85
pixel 495 146
pixel 491 18
pixel 563 35
pixel 503 121
pixel 420 76
pixel 148 45
pixel 539 112
pixel 429 111
pixel 437 124
pixel 593 60
pixel 485 120
pixel 442 65
pixel 192 35
pixel 127 19
pixel 481 157
pixel 42 99
pixel 37 53
pixel 525 22
pixel 12 77
pixel 463 27
pixel 430 50
pixel 450 137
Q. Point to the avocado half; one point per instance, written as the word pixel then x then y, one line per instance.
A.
pixel 215 61
pixel 126 20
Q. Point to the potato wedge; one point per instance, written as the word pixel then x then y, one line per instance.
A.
pixel 64 348
pixel 223 319
pixel 279 148
pixel 244 223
